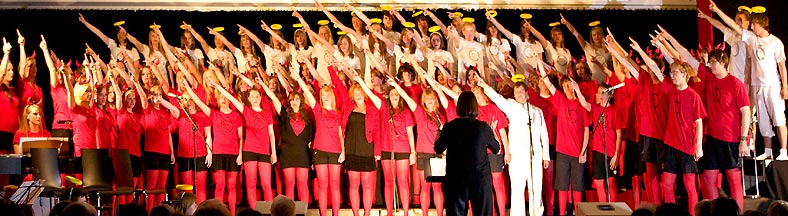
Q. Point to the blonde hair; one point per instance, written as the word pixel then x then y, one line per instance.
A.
pixel 429 93
pixel 330 93
pixel 24 124
pixel 79 91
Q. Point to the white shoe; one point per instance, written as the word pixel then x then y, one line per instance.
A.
pixel 764 156
pixel 783 155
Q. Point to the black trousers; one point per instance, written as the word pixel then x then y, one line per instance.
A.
pixel 457 192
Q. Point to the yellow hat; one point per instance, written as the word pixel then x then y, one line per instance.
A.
pixel 409 24
pixel 241 33
pixel 594 23
pixel 341 33
pixel 745 8
pixel 526 16
pixel 518 78
pixel 434 29
pixel 185 26
pixel 385 7
pixel 492 13
pixel 276 26
pixel 322 22
pixel 758 9
pixel 376 20
pixel 218 29
pixel 468 20
pixel 458 14
pixel 298 25
pixel 155 26
pixel 119 23
pixel 553 24
pixel 417 13
pixel 184 187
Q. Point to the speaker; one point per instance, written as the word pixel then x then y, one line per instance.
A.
pixel 265 207
pixel 603 209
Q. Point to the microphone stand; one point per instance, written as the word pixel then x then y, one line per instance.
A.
pixel 194 143
pixel 533 153
pixel 601 122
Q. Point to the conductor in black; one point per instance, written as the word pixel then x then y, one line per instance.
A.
pixel 468 175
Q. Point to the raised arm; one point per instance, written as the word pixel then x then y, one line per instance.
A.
pixel 198 38
pixel 271 96
pixel 685 54
pixel 436 21
pixel 403 95
pixel 574 31
pixel 580 97
pixel 725 18
pixel 238 105
pixel 314 36
pixel 143 95
pixel 174 111
pixel 545 79
pixel 500 28
pixel 716 23
pixel 95 30
pixel 136 43
pixel 268 29
pixel 53 78
pixel 197 101
pixel 308 96
pixel 623 60
pixel 22 55
pixel 223 39
pixel 372 97
pixel 360 14
pixel 328 13
pixel 116 89
pixel 6 56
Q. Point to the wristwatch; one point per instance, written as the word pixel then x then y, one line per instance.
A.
pixel 742 138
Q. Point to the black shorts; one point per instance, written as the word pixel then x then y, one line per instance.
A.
pixel 632 159
pixel 225 162
pixel 598 166
pixel 496 162
pixel 360 163
pixel 423 160
pixel 187 164
pixel 678 162
pixel 255 157
pixel 652 149
pixel 321 157
pixel 136 166
pixel 719 155
pixel 552 151
pixel 568 169
pixel 397 155
pixel 156 161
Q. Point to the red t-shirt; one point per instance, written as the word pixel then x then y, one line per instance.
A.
pixel 30 92
pixel 19 134
pixel 414 91
pixel 613 121
pixel 489 113
pixel 653 107
pixel 723 99
pixel 548 113
pixel 685 107
pixel 129 132
pixel 225 132
pixel 572 119
pixel 588 89
pixel 186 141
pixel 156 123
pixel 60 107
pixel 107 130
pixel 327 124
pixel 451 111
pixel 625 103
pixel 401 121
pixel 427 129
pixel 9 106
pixel 257 137
pixel 85 124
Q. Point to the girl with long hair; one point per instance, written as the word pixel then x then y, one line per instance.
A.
pixel 595 50
pixel 157 116
pixel 120 48
pixel 193 144
pixel 30 125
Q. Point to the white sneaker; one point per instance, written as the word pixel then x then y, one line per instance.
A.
pixel 783 155
pixel 764 156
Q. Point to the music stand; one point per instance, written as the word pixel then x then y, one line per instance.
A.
pixel 45 168
pixel 59 143
pixel 27 193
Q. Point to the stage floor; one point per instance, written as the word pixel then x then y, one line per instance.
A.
pixel 377 212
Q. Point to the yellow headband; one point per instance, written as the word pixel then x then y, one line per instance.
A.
pixel 276 26
pixel 492 13
pixel 218 29
pixel 758 9
pixel 241 33
pixel 385 7
pixel 468 20
pixel 298 25
pixel 155 26
pixel 518 78
pixel 458 14
pixel 341 33
pixel 417 13
pixel 526 16
pixel 376 20
pixel 434 29
pixel 119 23
pixel 409 24
pixel 594 23
pixel 555 24
pixel 185 26
pixel 745 8
pixel 322 22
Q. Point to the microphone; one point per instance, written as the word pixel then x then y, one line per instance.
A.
pixel 614 87
pixel 174 96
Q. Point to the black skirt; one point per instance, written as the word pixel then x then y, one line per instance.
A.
pixel 360 163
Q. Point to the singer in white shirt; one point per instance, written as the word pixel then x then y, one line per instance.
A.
pixel 525 165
